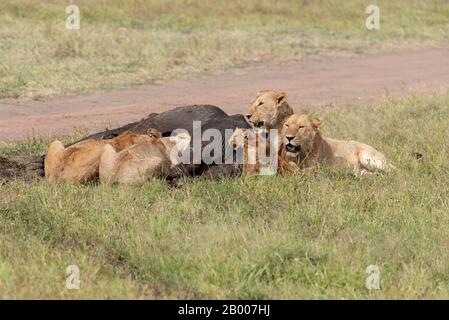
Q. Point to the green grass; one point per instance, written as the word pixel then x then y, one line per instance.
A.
pixel 307 236
pixel 135 42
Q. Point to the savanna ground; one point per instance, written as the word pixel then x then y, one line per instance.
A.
pixel 306 236
pixel 135 41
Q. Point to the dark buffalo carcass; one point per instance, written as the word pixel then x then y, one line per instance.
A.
pixel 209 117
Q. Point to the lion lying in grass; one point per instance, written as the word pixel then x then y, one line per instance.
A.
pixel 80 162
pixel 303 146
pixel 150 157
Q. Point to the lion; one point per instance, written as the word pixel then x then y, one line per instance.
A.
pixel 137 163
pixel 255 160
pixel 303 146
pixel 269 110
pixel 184 117
pixel 79 163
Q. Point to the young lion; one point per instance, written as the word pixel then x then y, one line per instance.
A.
pixel 303 146
pixel 80 162
pixel 148 158
pixel 255 160
pixel 269 110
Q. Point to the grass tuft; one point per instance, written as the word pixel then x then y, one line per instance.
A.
pixel 135 42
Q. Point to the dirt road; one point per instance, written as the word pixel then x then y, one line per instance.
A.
pixel 310 82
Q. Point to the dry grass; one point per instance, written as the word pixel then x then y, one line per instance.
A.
pixel 308 236
pixel 134 41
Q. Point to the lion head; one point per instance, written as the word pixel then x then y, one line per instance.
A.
pixel 242 137
pixel 269 109
pixel 154 133
pixel 181 141
pixel 176 145
pixel 238 138
pixel 298 134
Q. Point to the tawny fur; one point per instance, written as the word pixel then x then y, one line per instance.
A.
pixel 269 110
pixel 251 142
pixel 303 146
pixel 79 163
pixel 146 159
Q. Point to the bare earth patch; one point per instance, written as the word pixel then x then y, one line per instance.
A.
pixel 311 83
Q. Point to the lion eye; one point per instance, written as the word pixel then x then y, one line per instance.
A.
pixel 286 125
pixel 301 127
pixel 260 103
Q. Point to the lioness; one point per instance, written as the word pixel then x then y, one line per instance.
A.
pixel 304 146
pixel 187 117
pixel 80 162
pixel 256 151
pixel 269 110
pixel 148 158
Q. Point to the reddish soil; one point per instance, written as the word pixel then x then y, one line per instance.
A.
pixel 309 82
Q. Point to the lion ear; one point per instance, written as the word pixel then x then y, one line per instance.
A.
pixel 155 133
pixel 281 97
pixel 317 122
